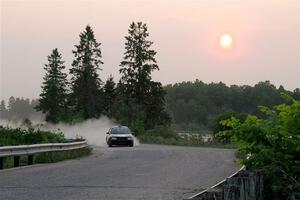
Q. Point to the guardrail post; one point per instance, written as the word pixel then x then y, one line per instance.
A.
pixel 30 160
pixel 1 162
pixel 16 161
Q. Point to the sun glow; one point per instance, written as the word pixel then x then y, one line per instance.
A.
pixel 226 42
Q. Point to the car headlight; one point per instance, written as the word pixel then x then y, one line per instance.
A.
pixel 129 138
pixel 113 138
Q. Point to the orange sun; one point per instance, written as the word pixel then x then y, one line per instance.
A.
pixel 226 42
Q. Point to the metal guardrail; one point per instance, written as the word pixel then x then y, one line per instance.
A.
pixel 30 150
pixel 216 186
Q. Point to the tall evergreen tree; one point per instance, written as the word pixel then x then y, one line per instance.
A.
pixel 3 110
pixel 86 89
pixel 138 62
pixel 109 96
pixel 155 106
pixel 11 102
pixel 136 82
pixel 52 99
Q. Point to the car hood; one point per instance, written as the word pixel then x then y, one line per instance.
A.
pixel 121 135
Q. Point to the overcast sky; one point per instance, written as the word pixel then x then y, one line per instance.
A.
pixel 185 33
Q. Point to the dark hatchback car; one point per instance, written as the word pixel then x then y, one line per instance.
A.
pixel 119 135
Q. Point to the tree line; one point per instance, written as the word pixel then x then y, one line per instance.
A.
pixel 192 105
pixel 197 105
pixel 135 100
pixel 19 109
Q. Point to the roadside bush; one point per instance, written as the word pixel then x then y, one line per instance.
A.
pixel 216 126
pixel 138 127
pixel 10 136
pixel 272 145
pixel 163 132
pixel 159 135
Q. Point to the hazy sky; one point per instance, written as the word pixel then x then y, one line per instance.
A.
pixel 185 34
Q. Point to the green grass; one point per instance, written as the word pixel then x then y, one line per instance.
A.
pixel 9 161
pixel 50 157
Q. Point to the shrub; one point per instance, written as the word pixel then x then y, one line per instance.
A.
pixel 273 146
pixel 138 127
pixel 10 136
pixel 164 132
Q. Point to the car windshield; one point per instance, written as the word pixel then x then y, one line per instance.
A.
pixel 120 130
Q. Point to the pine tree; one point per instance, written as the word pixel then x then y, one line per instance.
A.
pixel 110 94
pixel 85 82
pixel 136 83
pixel 138 62
pixel 11 111
pixel 52 99
pixel 3 110
pixel 155 107
pixel 11 102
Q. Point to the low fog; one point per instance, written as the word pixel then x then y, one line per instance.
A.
pixel 93 130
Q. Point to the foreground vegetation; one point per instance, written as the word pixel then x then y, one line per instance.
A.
pixel 18 136
pixel 271 144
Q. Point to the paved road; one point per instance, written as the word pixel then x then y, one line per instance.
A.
pixel 143 172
